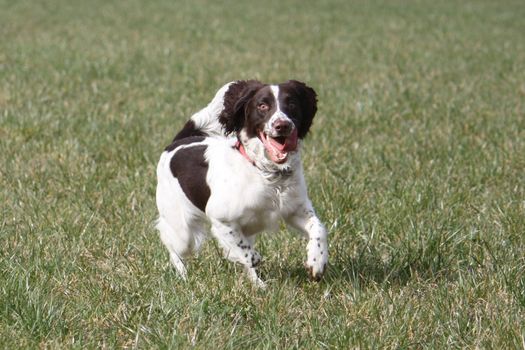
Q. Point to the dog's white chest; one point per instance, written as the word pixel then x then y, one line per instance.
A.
pixel 250 200
pixel 264 214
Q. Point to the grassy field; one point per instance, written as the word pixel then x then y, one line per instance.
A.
pixel 416 163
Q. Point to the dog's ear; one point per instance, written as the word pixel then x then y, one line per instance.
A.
pixel 235 100
pixel 308 101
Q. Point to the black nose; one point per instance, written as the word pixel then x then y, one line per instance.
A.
pixel 282 126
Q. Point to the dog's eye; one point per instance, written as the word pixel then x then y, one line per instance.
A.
pixel 263 107
pixel 292 105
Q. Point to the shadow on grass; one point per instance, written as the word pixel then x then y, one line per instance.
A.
pixel 367 269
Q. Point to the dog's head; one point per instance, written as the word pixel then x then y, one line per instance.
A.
pixel 269 119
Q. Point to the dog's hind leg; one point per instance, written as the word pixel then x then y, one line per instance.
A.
pixel 178 243
pixel 180 224
pixel 181 241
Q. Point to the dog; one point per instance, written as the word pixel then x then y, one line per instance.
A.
pixel 236 166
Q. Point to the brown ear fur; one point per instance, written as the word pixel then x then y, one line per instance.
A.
pixel 235 100
pixel 308 98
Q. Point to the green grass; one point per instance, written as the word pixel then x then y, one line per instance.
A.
pixel 416 163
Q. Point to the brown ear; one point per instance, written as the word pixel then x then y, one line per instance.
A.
pixel 308 99
pixel 235 100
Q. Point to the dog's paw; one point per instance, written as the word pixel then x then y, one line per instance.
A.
pixel 317 259
pixel 315 273
pixel 252 258
pixel 254 278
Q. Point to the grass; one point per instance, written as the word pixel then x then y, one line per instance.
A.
pixel 415 162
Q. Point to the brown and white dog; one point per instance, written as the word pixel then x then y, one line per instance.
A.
pixel 236 165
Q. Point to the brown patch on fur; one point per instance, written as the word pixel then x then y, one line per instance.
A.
pixel 189 130
pixel 235 100
pixel 307 102
pixel 190 168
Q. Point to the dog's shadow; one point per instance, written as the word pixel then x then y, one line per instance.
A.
pixel 366 267
pixel 360 270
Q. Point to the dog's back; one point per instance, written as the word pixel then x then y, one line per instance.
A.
pixel 206 121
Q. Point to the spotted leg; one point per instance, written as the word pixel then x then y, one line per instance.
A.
pixel 306 221
pixel 238 248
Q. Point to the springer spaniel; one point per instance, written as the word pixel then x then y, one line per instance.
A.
pixel 236 165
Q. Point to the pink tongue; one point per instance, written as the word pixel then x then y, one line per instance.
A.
pixel 278 151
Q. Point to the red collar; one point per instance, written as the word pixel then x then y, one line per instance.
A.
pixel 240 147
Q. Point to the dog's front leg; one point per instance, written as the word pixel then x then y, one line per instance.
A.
pixel 306 221
pixel 238 248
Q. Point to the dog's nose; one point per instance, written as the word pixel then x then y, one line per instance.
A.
pixel 282 126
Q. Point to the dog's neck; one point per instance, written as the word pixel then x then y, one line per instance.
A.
pixel 240 147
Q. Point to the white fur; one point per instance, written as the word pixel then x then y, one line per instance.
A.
pixel 207 118
pixel 244 200
pixel 277 115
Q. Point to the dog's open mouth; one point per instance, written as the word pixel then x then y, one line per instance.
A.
pixel 277 148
